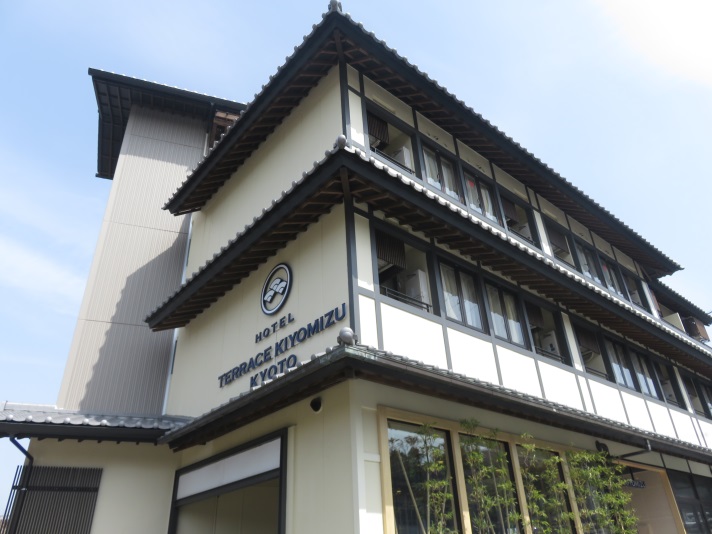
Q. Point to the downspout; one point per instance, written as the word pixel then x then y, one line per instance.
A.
pixel 22 488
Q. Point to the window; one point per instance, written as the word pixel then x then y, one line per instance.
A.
pixel 461 297
pixel 441 173
pixel 518 219
pixel 480 197
pixel 622 369
pixel 588 261
pixel 402 271
pixel 645 375
pixel 544 330
pixel 421 478
pixel 612 277
pixel 443 474
pixel 694 395
pixel 491 494
pixel 706 394
pixel 559 242
pixel 504 310
pixel 389 142
pixel 545 488
pixel 590 351
pixel 668 384
pixel 634 288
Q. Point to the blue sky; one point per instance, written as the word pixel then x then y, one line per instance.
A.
pixel 615 95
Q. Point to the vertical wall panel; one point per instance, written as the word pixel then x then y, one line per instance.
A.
pixel 138 263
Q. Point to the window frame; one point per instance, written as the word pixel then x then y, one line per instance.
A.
pixel 426 308
pixel 506 196
pixel 501 292
pixel 477 282
pixel 480 179
pixel 454 429
pixel 441 154
pixel 564 355
pixel 372 108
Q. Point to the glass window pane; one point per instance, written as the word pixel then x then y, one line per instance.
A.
pixel 546 492
pixel 472 303
pixel 452 299
pixel 513 320
pixel 449 179
pixel 588 262
pixel 421 477
pixel 488 202
pixel 610 275
pixel 498 321
pixel 631 284
pixel 473 196
pixel 491 493
pixel 431 168
pixel 619 363
pixel 642 371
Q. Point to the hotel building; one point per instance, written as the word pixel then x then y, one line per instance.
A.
pixel 309 313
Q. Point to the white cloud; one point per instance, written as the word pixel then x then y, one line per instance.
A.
pixel 672 36
pixel 38 276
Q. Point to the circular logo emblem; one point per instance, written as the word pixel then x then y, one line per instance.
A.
pixel 276 289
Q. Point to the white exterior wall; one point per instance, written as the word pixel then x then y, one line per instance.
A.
pixel 136 483
pixel 407 332
pixel 304 136
pixel 223 336
pixel 116 364
pixel 321 491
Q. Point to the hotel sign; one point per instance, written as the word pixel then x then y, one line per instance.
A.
pixel 276 358
pixel 276 289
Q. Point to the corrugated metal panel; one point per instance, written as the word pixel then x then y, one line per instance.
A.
pixel 150 169
pixel 175 129
pixel 116 365
pixel 137 268
pixel 116 369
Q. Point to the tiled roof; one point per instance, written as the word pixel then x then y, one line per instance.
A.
pixel 31 420
pixel 117 93
pixel 506 147
pixel 210 270
pixel 368 363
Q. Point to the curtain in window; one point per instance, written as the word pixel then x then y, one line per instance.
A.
pixel 452 299
pixel 513 320
pixel 473 197
pixel 472 304
pixel 498 321
pixel 449 180
pixel 488 202
pixel 431 168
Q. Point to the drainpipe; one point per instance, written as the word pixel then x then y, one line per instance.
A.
pixel 24 483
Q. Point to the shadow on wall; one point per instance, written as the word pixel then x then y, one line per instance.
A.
pixel 132 366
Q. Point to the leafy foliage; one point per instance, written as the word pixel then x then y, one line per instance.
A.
pixel 604 506
pixel 545 489
pixel 492 496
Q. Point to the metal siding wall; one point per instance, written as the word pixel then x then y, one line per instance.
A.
pixel 116 365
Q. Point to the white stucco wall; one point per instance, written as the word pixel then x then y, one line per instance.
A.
pixel 309 130
pixel 136 483
pixel 224 336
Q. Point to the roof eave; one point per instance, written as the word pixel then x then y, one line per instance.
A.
pixel 345 363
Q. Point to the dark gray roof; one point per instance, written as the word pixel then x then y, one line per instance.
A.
pixel 310 62
pixel 201 289
pixel 36 420
pixel 342 363
pixel 116 93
